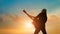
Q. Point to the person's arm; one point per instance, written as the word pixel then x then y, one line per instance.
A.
pixel 38 15
pixel 28 14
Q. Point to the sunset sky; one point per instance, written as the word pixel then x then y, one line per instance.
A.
pixel 13 20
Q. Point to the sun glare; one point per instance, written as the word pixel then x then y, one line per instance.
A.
pixel 28 25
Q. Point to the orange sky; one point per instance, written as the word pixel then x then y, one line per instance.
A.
pixel 12 19
pixel 52 25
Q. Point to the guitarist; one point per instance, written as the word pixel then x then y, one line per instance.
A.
pixel 43 18
pixel 39 21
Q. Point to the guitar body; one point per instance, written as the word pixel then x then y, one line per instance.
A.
pixel 36 23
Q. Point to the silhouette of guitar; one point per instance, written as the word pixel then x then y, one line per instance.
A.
pixel 32 17
pixel 35 20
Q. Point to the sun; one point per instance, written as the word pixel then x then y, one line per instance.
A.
pixel 28 25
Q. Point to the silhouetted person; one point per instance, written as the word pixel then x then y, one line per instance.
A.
pixel 43 18
pixel 39 21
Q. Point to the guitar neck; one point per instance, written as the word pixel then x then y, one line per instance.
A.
pixel 27 14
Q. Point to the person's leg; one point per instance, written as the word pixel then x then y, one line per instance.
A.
pixel 37 30
pixel 43 30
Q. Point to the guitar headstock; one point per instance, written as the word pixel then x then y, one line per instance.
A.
pixel 24 11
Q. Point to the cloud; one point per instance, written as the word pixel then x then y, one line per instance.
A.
pixel 53 24
pixel 56 11
pixel 10 21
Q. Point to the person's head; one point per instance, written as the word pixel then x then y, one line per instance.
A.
pixel 43 11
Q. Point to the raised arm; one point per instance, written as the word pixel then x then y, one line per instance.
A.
pixel 28 14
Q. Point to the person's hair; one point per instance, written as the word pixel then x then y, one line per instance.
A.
pixel 43 11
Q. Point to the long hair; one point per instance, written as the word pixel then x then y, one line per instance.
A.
pixel 43 15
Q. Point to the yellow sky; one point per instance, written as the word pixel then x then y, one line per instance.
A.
pixel 18 24
pixel 52 26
